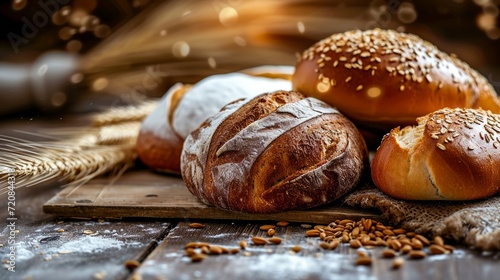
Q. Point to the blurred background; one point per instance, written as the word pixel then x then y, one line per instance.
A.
pixel 116 52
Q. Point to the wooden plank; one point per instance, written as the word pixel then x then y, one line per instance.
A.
pixel 50 248
pixel 43 252
pixel 144 194
pixel 168 261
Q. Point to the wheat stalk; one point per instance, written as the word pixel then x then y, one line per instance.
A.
pixel 255 32
pixel 122 114
pixel 36 163
pixel 79 155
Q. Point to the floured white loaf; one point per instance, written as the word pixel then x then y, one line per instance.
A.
pixel 185 107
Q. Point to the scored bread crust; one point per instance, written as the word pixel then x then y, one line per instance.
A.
pixel 453 154
pixel 381 79
pixel 273 153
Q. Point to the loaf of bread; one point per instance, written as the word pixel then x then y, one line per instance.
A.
pixel 452 154
pixel 276 152
pixel 381 79
pixel 184 107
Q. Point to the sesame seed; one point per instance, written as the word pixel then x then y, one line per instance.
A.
pixel 335 63
pixel 441 146
pixel 343 58
pixel 348 79
pixel 402 88
pixel 360 87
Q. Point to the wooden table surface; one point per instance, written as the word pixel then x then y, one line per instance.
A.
pixel 49 247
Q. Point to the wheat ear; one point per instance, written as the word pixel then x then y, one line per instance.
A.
pixel 125 113
pixel 79 155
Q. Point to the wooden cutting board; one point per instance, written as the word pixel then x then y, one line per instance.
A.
pixel 141 193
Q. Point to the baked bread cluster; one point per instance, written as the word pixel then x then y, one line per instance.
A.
pixel 383 80
pixel 292 137
pixel 276 152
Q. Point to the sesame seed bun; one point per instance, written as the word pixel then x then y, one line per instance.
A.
pixel 382 79
pixel 452 154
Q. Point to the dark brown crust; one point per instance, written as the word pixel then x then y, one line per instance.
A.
pixel 413 77
pixel 457 162
pixel 255 109
pixel 310 164
pixel 309 175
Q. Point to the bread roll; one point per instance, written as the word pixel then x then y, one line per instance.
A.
pixel 158 146
pixel 382 79
pixel 453 154
pixel 184 107
pixel 276 152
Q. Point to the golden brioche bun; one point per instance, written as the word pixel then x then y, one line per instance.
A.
pixel 453 154
pixel 382 79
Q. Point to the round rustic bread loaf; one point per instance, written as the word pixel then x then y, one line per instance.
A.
pixel 381 79
pixel 276 152
pixel 184 107
pixel 453 154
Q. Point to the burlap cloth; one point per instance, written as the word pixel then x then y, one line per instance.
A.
pixel 476 224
